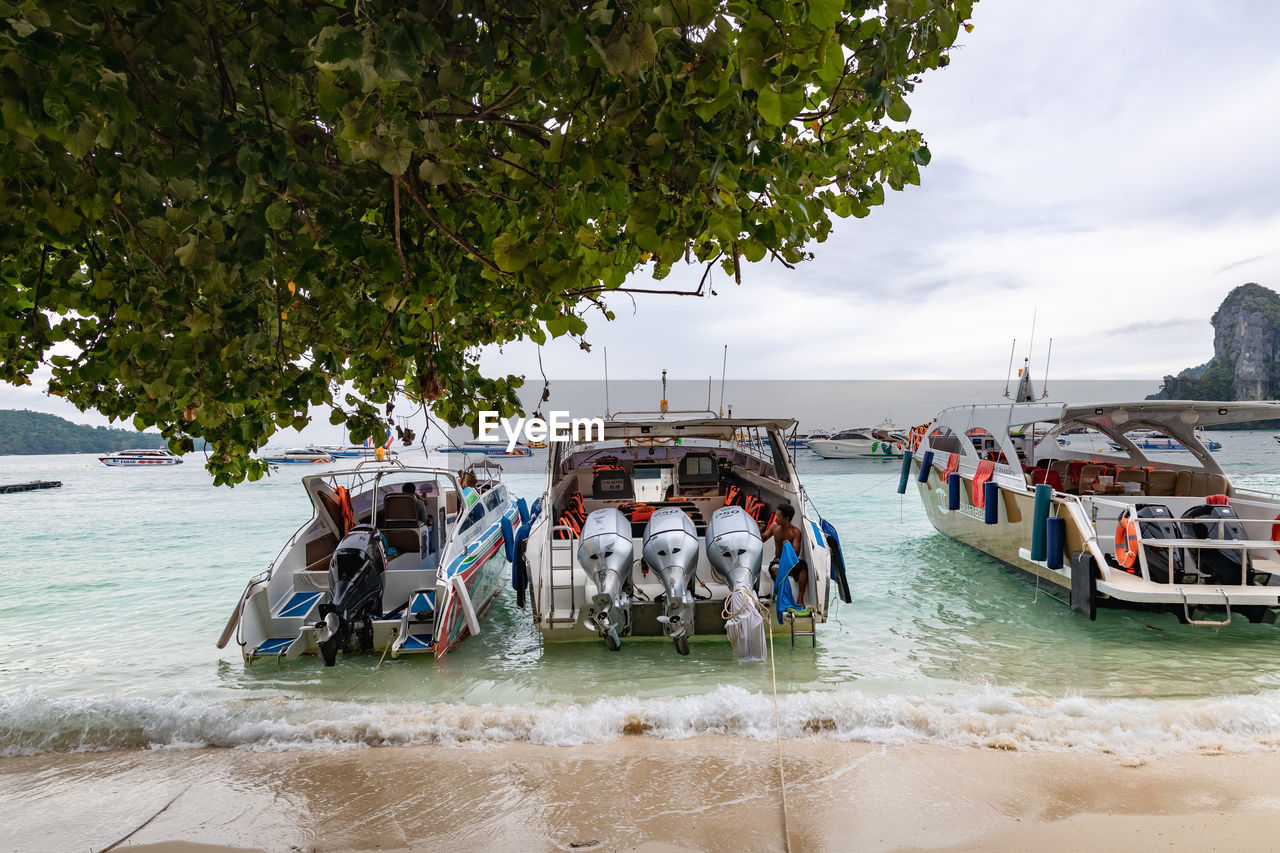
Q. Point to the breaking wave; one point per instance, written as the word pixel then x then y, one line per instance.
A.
pixel 31 723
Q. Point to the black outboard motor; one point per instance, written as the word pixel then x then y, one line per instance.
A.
pixel 1223 564
pixel 1156 522
pixel 356 571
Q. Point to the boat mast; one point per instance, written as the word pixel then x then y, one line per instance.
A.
pixel 1045 392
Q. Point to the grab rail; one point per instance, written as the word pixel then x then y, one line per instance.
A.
pixel 1211 623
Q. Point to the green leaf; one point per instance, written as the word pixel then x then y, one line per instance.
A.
pixel 433 173
pixel 617 56
pixel 195 253
pixel 395 158
pixel 898 110
pixel 769 104
pixel 825 14
pixel 278 213
pixel 510 252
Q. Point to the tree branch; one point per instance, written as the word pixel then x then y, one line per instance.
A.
pixel 444 229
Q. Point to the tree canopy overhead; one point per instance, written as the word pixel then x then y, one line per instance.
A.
pixel 220 213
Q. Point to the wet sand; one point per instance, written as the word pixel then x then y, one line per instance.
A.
pixel 637 794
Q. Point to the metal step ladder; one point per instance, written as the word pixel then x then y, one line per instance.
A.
pixel 793 616
pixel 561 578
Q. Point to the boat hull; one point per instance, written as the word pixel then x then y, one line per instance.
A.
pixel 1009 541
pixel 135 463
pixel 842 449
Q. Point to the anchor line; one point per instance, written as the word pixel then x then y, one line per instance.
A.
pixel 777 722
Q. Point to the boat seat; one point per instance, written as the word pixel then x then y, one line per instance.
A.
pixel 400 509
pixel 1132 475
pixel 1162 482
pixel 1089 477
pixel 1199 484
pixel 1050 477
pixel 1183 484
pixel 404 540
pixel 1216 484
pixel 1063 469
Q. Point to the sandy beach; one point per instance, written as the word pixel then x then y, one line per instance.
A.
pixel 638 793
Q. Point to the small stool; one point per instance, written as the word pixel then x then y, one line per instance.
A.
pixel 792 615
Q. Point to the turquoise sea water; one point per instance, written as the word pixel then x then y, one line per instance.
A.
pixel 114 589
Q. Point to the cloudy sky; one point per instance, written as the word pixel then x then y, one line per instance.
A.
pixel 1107 166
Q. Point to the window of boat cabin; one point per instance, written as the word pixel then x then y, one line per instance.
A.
pixel 492 500
pixel 778 447
pixel 986 445
pixel 476 513
pixel 943 440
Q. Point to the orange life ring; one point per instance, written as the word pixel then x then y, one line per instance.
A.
pixel 1127 541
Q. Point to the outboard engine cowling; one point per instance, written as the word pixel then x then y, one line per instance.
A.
pixel 1228 566
pixel 671 550
pixel 735 550
pixel 734 546
pixel 356 572
pixel 605 552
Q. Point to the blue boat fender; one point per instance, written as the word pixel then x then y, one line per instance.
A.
pixel 905 474
pixel 536 509
pixel 837 562
pixel 509 539
pixel 926 465
pixel 524 510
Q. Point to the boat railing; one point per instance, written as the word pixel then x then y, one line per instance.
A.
pixel 1248 548
pixel 233 624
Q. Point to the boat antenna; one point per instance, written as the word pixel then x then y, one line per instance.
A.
pixel 606 382
pixel 1045 393
pixel 724 365
pixel 1009 373
pixel 1032 343
pixel 662 405
pixel 708 393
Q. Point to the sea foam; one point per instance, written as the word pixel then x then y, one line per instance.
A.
pixel 31 723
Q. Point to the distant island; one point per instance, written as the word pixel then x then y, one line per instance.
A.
pixel 26 433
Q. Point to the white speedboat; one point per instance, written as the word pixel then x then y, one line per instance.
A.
pixel 298 456
pixel 486 448
pixel 884 440
pixel 1110 528
pixel 380 569
pixel 1154 439
pixel 656 531
pixel 131 458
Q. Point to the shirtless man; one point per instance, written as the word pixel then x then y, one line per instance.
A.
pixel 783 531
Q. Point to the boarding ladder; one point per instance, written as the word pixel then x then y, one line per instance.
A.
pixel 563 594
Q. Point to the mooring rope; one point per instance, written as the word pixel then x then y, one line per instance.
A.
pixel 777 722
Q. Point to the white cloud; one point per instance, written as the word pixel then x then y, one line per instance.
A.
pixel 1102 165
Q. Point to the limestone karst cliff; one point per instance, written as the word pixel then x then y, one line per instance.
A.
pixel 1246 343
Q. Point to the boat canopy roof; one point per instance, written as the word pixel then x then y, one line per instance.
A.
pixel 1159 412
pixel 722 429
